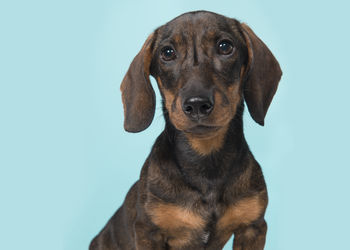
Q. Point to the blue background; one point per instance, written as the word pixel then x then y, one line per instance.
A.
pixel 66 162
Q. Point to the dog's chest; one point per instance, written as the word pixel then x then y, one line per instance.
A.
pixel 194 213
pixel 203 220
pixel 185 223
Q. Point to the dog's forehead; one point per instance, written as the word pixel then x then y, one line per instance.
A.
pixel 197 24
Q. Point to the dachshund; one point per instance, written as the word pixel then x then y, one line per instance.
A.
pixel 200 184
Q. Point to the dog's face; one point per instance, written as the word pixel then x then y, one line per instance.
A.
pixel 204 65
pixel 197 62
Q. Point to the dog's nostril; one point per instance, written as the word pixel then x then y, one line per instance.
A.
pixel 205 108
pixel 188 109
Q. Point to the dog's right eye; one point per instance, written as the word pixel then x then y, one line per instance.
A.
pixel 168 53
pixel 225 47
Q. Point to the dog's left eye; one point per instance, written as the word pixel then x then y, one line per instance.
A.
pixel 168 53
pixel 225 48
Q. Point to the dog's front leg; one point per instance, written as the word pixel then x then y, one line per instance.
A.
pixel 251 237
pixel 148 238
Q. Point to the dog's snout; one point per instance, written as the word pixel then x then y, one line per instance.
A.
pixel 197 107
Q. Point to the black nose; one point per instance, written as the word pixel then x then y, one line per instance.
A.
pixel 197 107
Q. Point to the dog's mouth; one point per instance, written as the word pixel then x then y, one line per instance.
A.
pixel 202 130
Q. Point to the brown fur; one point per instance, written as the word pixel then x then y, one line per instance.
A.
pixel 179 240
pixel 200 183
pixel 208 144
pixel 173 105
pixel 244 212
pixel 170 216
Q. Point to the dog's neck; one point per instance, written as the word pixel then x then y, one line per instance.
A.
pixel 217 163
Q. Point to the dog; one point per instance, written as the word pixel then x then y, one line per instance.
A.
pixel 200 184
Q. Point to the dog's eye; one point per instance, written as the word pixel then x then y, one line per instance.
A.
pixel 225 48
pixel 168 53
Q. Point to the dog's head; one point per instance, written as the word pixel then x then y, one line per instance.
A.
pixel 204 64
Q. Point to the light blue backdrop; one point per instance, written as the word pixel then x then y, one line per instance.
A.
pixel 66 162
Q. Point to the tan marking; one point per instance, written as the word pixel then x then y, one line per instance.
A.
pixel 250 233
pixel 222 114
pixel 243 212
pixel 234 95
pixel 177 118
pixel 180 239
pixel 169 97
pixel 160 83
pixel 207 145
pixel 168 216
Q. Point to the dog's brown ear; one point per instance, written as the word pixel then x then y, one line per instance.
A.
pixel 261 76
pixel 137 92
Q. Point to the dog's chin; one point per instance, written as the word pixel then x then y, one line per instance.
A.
pixel 203 131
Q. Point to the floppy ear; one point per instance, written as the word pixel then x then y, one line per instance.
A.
pixel 261 76
pixel 137 92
